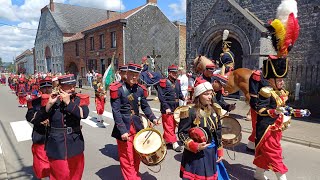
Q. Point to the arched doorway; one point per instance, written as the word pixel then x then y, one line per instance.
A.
pixel 216 49
pixel 73 68
pixel 48 58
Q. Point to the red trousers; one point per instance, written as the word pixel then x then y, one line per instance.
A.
pixel 70 169
pixel 129 158
pixel 100 105
pixel 269 152
pixel 252 137
pixel 41 165
pixel 22 100
pixel 169 127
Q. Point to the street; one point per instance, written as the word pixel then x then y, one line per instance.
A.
pixel 101 151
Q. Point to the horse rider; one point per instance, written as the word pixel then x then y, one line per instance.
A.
pixel 226 58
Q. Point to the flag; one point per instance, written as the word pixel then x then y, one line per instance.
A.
pixel 109 75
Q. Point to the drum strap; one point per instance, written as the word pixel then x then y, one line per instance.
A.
pixel 132 100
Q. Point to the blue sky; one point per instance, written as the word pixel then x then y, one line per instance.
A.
pixel 19 19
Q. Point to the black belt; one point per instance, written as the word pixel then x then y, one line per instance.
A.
pixel 68 130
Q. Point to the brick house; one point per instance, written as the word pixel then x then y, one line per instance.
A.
pixel 58 22
pixel 130 36
pixel 182 43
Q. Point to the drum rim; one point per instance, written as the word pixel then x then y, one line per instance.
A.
pixel 238 136
pixel 160 161
pixel 143 130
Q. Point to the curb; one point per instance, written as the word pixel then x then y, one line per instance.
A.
pixel 3 168
pixel 292 140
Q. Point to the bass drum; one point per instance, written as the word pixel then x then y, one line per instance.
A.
pixel 231 131
pixel 150 146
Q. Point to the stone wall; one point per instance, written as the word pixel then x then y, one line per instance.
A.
pixel 49 35
pixel 147 29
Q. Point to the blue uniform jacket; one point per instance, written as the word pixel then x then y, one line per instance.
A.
pixel 61 144
pixel 169 94
pixel 39 130
pixel 121 108
pixel 256 82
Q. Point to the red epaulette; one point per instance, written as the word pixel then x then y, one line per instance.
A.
pixel 163 83
pixel 84 99
pixel 145 91
pixel 114 89
pixel 256 75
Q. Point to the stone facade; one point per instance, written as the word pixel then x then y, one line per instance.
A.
pixel 205 17
pixel 49 45
pixel 147 30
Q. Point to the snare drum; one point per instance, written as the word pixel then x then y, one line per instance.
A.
pixel 181 111
pixel 150 146
pixel 144 121
pixel 231 131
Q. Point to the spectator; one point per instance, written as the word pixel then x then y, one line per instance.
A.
pixel 184 86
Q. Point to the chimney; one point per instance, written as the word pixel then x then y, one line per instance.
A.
pixel 152 1
pixel 51 6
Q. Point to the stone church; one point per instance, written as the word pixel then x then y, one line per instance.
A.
pixel 57 23
pixel 206 20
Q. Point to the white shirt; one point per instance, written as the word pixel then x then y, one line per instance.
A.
pixel 184 82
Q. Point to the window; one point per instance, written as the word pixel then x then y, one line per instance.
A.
pixel 91 44
pixel 92 64
pixel 77 49
pixel 113 40
pixel 102 42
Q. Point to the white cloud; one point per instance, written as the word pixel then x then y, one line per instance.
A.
pixel 179 8
pixel 15 40
pixel 101 4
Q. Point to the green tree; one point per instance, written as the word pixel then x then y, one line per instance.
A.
pixel 1 63
pixel 11 68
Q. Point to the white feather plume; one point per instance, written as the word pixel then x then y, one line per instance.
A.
pixel 225 35
pixel 285 8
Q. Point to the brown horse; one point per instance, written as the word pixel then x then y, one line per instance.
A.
pixel 237 79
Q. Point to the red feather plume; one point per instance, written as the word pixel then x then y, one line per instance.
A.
pixel 292 33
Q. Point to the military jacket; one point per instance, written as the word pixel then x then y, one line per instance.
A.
pixel 125 102
pixel 169 94
pixel 65 138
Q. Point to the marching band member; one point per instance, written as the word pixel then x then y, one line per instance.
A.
pixel 41 165
pixel 123 73
pixel 256 82
pixel 21 92
pixel 100 95
pixel 208 72
pixel 169 92
pixel 217 83
pixel 200 131
pixel 271 113
pixel 65 142
pixel 126 97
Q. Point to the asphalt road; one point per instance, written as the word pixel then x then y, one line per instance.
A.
pixel 101 151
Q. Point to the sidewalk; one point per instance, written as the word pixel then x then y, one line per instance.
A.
pixel 304 131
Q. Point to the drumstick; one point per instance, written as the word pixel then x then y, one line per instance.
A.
pixel 147 137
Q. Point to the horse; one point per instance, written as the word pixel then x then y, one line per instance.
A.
pixel 238 79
